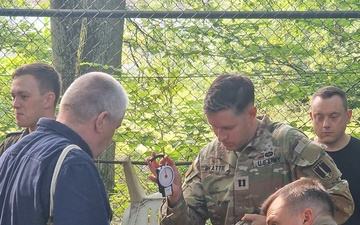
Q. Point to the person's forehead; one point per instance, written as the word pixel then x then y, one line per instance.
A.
pixel 333 104
pixel 223 118
pixel 25 82
pixel 321 100
pixel 276 208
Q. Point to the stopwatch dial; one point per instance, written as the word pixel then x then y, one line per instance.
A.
pixel 166 176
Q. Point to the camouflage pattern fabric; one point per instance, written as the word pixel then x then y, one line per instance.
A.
pixel 324 221
pixel 223 185
pixel 12 138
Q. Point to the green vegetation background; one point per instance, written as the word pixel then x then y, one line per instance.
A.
pixel 168 65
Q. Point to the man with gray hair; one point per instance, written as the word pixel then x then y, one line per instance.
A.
pixel 91 109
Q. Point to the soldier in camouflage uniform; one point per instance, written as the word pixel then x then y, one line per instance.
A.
pixel 12 138
pixel 250 159
pixel 301 202
pixel 35 91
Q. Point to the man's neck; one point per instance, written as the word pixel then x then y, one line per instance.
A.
pixel 252 133
pixel 32 128
pixel 49 114
pixel 336 146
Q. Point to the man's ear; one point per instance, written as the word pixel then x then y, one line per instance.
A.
pixel 308 216
pixel 311 115
pixel 49 99
pixel 349 115
pixel 100 121
pixel 252 112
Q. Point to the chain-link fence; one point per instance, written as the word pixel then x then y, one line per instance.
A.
pixel 166 53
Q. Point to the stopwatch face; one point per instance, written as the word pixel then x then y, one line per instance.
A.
pixel 166 176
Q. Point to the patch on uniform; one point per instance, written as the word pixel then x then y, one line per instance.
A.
pixel 241 183
pixel 266 162
pixel 268 154
pixel 300 147
pixel 215 168
pixel 266 158
pixel 322 170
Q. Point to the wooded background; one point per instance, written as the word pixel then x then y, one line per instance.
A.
pixel 167 52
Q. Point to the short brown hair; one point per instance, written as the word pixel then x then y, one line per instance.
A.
pixel 301 194
pixel 330 91
pixel 47 77
pixel 229 91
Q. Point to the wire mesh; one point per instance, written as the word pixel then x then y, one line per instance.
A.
pixel 166 53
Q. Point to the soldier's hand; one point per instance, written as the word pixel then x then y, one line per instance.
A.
pixel 255 219
pixel 176 186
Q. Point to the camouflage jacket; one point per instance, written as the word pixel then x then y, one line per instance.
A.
pixel 223 185
pixel 12 138
pixel 324 221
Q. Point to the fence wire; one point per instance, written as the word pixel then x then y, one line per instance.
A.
pixel 167 52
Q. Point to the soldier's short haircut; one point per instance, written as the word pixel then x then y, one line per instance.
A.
pixel 330 91
pixel 229 91
pixel 301 194
pixel 48 78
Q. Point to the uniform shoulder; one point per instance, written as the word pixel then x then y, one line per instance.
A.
pixel 280 127
pixel 284 132
pixel 211 148
pixel 10 139
pixel 14 133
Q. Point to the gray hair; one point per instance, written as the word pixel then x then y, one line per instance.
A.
pixel 93 93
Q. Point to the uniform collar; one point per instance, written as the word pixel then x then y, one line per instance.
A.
pixel 60 128
pixel 261 133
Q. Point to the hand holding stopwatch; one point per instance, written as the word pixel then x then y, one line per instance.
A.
pixel 165 177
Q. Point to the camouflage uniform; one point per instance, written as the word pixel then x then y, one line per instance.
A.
pixel 324 221
pixel 12 138
pixel 224 185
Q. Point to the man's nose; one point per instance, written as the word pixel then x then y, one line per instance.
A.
pixel 221 135
pixel 15 103
pixel 327 122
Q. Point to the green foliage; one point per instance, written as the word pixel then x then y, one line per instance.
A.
pixel 24 4
pixel 22 41
pixel 168 64
pixel 164 116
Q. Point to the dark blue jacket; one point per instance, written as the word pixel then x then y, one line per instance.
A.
pixel 26 170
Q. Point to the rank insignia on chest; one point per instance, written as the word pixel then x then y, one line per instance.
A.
pixel 322 170
pixel 241 183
